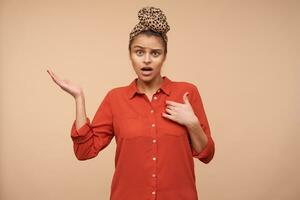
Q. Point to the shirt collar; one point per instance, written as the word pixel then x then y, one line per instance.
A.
pixel 165 87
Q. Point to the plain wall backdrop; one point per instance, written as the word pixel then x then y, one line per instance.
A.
pixel 242 55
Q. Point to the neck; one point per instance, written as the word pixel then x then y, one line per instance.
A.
pixel 150 86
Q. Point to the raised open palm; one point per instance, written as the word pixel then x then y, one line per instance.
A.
pixel 66 85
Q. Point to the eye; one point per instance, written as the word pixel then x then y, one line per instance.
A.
pixel 139 52
pixel 156 53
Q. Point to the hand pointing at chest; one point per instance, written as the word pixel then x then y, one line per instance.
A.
pixel 181 113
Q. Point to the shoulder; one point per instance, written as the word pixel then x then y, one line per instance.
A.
pixel 181 87
pixel 117 91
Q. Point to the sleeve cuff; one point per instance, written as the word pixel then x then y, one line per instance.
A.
pixel 83 133
pixel 207 153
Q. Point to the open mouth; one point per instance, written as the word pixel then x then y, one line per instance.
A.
pixel 146 71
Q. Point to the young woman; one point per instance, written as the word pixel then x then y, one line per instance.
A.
pixel 159 124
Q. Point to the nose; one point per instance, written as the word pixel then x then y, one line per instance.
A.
pixel 147 58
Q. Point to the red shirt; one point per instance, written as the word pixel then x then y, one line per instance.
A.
pixel 154 156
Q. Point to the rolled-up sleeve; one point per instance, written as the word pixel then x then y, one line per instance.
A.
pixel 207 154
pixel 94 136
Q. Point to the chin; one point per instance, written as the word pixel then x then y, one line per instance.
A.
pixel 145 78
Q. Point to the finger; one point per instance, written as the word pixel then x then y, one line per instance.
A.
pixel 171 112
pixel 173 103
pixel 58 82
pixel 165 115
pixel 53 78
pixel 56 78
pixel 52 75
pixel 171 107
pixel 185 98
pixel 67 81
pixel 50 72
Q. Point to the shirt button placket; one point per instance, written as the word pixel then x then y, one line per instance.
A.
pixel 153 175
pixel 154 194
pixel 154 158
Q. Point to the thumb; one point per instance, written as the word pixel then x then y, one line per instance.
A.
pixel 185 98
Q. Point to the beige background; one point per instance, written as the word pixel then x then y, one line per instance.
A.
pixel 242 55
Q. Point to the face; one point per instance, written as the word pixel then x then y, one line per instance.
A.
pixel 147 56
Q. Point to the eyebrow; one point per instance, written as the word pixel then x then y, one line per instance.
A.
pixel 138 46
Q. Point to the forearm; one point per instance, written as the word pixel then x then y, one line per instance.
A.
pixel 197 135
pixel 80 111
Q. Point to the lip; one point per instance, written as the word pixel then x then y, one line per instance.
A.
pixel 146 72
pixel 147 68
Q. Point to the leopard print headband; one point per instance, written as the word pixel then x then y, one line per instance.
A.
pixel 151 18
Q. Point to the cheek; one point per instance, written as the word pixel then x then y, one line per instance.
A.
pixel 135 58
pixel 158 62
pixel 135 64
pixel 134 61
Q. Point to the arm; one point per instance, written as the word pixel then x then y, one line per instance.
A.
pixel 90 138
pixel 192 116
pixel 203 146
pixel 198 137
pixel 80 111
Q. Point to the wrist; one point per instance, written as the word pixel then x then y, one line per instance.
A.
pixel 192 122
pixel 79 96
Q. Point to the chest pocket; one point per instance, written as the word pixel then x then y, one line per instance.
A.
pixel 130 126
